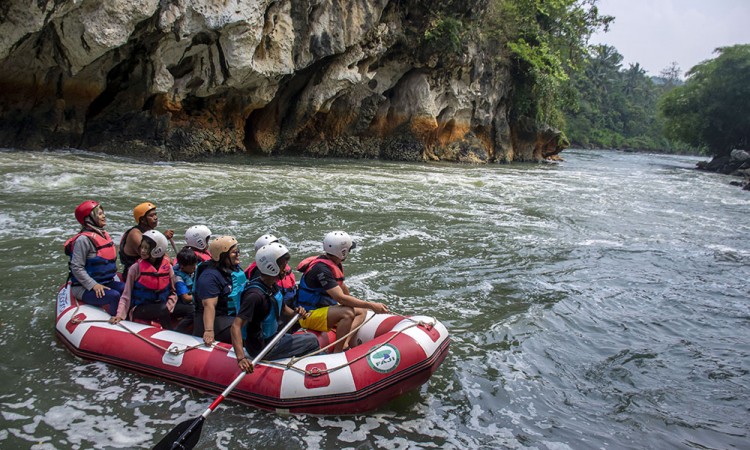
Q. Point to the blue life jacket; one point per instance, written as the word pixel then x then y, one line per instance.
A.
pixel 231 300
pixel 239 280
pixel 288 284
pixel 270 324
pixel 102 267
pixel 314 298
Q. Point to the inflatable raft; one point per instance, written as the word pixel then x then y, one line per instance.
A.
pixel 397 354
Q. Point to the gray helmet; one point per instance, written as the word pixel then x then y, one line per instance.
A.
pixel 338 243
pixel 265 240
pixel 197 236
pixel 267 256
pixel 161 243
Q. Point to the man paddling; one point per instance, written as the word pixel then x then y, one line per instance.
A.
pixel 261 308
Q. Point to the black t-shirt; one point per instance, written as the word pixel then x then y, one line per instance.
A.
pixel 320 276
pixel 255 273
pixel 254 307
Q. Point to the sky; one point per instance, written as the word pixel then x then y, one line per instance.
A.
pixel 655 33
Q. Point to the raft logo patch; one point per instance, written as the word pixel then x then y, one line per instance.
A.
pixel 63 300
pixel 384 359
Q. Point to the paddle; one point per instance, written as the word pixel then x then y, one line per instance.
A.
pixel 174 247
pixel 185 435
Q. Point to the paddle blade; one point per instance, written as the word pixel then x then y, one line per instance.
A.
pixel 183 437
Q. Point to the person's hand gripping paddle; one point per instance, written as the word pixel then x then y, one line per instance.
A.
pixel 185 435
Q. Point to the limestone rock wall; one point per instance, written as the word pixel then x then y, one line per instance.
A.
pixel 179 78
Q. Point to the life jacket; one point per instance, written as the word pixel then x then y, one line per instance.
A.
pixel 288 284
pixel 152 286
pixel 239 280
pixel 270 324
pixel 202 255
pixel 314 298
pixel 126 260
pixel 229 301
pixel 102 267
pixel 186 278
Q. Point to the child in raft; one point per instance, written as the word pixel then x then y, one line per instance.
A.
pixel 150 286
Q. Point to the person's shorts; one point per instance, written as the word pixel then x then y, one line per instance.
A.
pixel 317 320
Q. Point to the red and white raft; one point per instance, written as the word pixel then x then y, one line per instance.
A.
pixel 397 355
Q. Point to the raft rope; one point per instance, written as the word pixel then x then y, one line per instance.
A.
pixel 173 350
pixel 315 372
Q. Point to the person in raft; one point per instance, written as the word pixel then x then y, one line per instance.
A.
pixel 286 281
pixel 323 292
pixel 149 287
pixel 197 238
pixel 194 253
pixel 217 291
pixel 93 261
pixel 146 219
pixel 261 309
pixel 184 272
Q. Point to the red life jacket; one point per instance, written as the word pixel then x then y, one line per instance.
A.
pixel 288 282
pixel 307 264
pixel 102 267
pixel 313 298
pixel 152 286
pixel 202 255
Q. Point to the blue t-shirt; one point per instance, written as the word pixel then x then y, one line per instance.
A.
pixel 183 282
pixel 211 283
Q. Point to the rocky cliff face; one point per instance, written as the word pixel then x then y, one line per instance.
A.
pixel 179 78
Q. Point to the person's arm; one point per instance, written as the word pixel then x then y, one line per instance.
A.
pixel 133 242
pixel 236 331
pixel 181 289
pixel 172 299
pixel 338 294
pixel 341 294
pixel 288 312
pixel 209 314
pixel 124 306
pixel 81 250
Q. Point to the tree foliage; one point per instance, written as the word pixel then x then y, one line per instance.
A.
pixel 713 107
pixel 616 107
pixel 547 41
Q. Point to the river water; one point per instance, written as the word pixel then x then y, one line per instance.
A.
pixel 602 302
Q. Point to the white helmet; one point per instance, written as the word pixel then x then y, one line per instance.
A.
pixel 338 243
pixel 265 240
pixel 161 243
pixel 197 236
pixel 267 256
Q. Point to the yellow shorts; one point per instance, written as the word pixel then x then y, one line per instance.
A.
pixel 317 320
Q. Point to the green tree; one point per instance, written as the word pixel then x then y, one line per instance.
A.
pixel 618 107
pixel 712 108
pixel 547 40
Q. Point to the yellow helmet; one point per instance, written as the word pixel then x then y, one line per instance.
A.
pixel 141 210
pixel 217 246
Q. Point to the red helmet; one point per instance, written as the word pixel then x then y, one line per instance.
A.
pixel 84 210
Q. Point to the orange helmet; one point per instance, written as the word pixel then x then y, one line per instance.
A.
pixel 84 210
pixel 141 210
